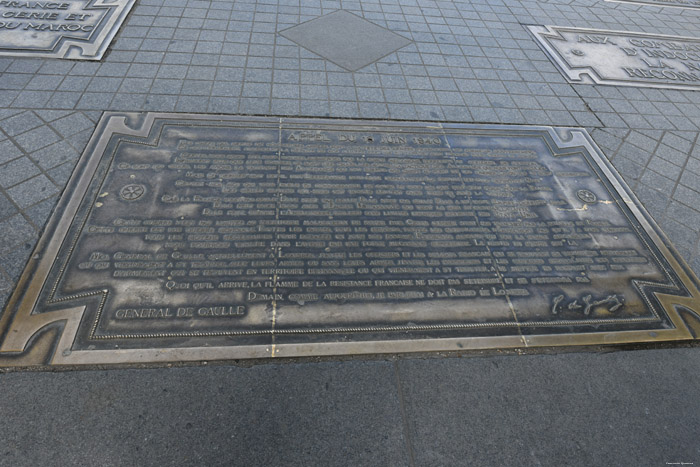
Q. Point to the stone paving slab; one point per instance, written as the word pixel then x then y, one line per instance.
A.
pixel 468 62
pixel 38 151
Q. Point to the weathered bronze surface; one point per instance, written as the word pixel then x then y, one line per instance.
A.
pixel 75 29
pixel 671 3
pixel 194 237
pixel 621 58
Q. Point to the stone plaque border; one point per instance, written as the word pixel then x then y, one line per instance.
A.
pixel 48 338
pixel 588 74
pixel 80 49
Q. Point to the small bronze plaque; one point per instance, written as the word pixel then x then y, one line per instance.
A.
pixel 75 29
pixel 671 3
pixel 194 237
pixel 621 58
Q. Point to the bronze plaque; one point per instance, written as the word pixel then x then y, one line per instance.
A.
pixel 621 58
pixel 195 237
pixel 75 29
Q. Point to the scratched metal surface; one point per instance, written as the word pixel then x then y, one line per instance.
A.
pixel 195 237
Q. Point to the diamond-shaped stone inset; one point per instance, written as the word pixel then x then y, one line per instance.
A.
pixel 347 40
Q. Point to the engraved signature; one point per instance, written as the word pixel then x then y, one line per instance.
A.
pixel 586 304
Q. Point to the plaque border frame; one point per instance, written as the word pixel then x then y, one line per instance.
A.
pixel 47 338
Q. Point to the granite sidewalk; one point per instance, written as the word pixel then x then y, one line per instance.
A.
pixel 472 62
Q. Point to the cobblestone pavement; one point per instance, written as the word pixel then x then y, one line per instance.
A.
pixel 467 61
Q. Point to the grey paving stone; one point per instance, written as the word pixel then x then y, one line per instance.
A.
pixel 135 85
pixel 676 142
pixel 551 410
pixel 16 232
pixel 32 191
pixel 657 181
pixel 104 85
pixel 284 106
pixel 39 213
pixel 6 285
pixel 476 54
pixel 6 113
pixel 60 174
pixel 672 155
pixel 653 200
pixel 665 168
pixel 75 83
pixel 13 81
pixel 37 138
pixel 634 153
pixel 8 151
pixel 17 171
pixel 13 261
pixel 687 196
pixel 692 167
pixel 7 208
pixel 63 100
pixel 695 262
pixel 690 180
pixel 321 108
pixel 265 415
pixel 54 155
pixel 43 82
pixel 128 102
pixel 71 124
pixel 20 123
pixel 48 115
pixel 197 103
pixel 31 99
pixel 349 109
pixel 642 141
pixel 166 86
pixel 684 238
pixel 160 103
pixel 79 140
pixel 685 215
pixel 55 67
pixel 629 169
